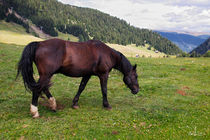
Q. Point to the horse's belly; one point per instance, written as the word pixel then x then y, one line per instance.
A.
pixel 76 71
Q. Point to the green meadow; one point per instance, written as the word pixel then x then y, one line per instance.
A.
pixel 174 103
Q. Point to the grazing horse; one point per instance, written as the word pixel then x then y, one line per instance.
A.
pixel 72 59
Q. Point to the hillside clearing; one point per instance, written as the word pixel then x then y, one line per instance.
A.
pixel 132 51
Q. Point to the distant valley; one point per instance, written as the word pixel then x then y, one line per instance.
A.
pixel 184 41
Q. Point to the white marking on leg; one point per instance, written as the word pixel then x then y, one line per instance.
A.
pixel 52 103
pixel 34 111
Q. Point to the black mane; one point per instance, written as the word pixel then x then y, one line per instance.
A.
pixel 124 65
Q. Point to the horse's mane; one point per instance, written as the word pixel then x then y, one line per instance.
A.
pixel 124 65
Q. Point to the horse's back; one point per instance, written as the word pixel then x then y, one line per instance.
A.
pixel 74 58
pixel 91 57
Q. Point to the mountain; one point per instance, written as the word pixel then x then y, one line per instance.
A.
pixel 204 36
pixel 53 16
pixel 202 48
pixel 185 42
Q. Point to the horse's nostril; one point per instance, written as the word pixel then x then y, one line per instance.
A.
pixel 135 91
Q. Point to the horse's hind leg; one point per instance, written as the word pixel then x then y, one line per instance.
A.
pixel 51 99
pixel 81 88
pixel 34 104
pixel 44 82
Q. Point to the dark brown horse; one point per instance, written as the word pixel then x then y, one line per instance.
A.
pixel 74 60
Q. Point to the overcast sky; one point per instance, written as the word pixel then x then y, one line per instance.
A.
pixel 172 15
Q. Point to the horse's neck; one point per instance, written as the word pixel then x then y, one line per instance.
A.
pixel 123 65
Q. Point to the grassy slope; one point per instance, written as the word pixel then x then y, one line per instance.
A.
pixel 67 37
pixel 173 103
pixel 12 33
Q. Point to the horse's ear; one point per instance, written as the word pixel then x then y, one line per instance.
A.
pixel 134 67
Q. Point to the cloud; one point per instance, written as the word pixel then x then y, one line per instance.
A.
pixel 196 3
pixel 200 3
pixel 188 15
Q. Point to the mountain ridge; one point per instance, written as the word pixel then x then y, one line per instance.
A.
pixel 186 32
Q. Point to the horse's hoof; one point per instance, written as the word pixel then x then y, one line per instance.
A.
pixel 52 103
pixel 75 107
pixel 108 108
pixel 34 111
pixel 35 116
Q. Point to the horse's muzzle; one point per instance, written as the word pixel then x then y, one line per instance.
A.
pixel 135 91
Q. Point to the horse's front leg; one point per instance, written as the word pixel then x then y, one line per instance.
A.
pixel 81 88
pixel 103 82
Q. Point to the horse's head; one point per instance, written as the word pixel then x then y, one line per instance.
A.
pixel 131 80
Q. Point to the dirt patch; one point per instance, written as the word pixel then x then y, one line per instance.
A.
pixel 183 69
pixel 181 92
pixel 115 132
pixel 2 55
pixel 60 106
pixel 142 124
pixel 46 104
pixel 185 87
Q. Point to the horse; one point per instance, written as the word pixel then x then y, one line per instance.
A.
pixel 73 59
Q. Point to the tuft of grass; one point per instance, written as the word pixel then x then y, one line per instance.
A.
pixel 173 103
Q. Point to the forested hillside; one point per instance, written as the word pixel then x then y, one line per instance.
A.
pixel 85 23
pixel 203 48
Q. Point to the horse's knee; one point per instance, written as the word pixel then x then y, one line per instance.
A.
pixel 52 103
pixel 34 111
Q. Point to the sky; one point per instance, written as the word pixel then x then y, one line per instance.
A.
pixel 167 15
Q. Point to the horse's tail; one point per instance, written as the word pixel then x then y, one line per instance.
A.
pixel 25 66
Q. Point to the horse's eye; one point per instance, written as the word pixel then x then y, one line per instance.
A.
pixel 128 80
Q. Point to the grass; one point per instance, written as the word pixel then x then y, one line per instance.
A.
pixel 173 103
pixel 67 37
